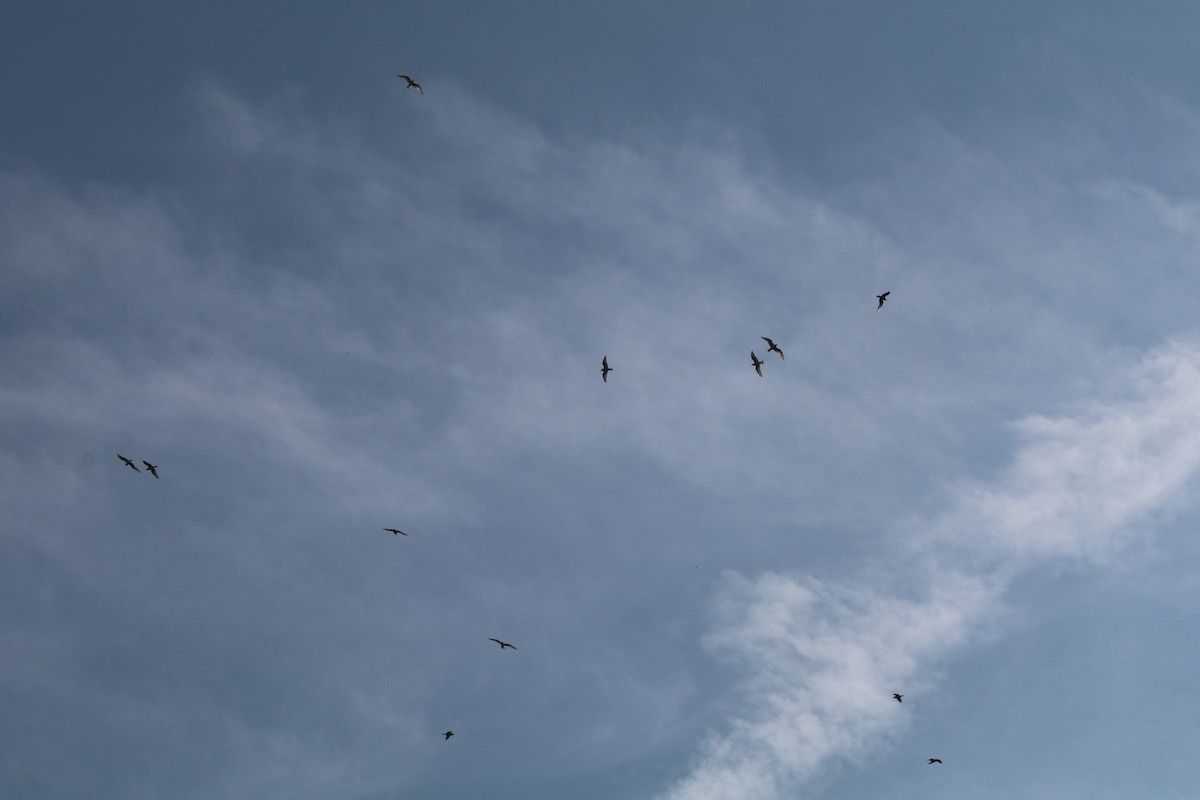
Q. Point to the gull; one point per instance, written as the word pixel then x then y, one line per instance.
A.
pixel 412 84
pixel 152 467
pixel 604 369
pixel 935 761
pixel 447 734
pixel 882 299
pixel 898 696
pixel 771 346
pixel 503 644
pixel 757 363
pixel 128 462
pixel 393 532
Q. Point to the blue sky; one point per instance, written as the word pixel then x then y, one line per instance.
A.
pixel 233 244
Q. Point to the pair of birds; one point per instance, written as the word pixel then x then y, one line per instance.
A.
pixel 899 697
pixel 771 348
pixel 153 468
pixel 447 734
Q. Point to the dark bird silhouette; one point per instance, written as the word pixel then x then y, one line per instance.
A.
pixel 393 532
pixel 503 644
pixel 757 363
pixel 412 84
pixel 771 346
pixel 604 369
pixel 128 462
pixel 882 299
pixel 447 734
pixel 935 761
pixel 898 696
pixel 152 467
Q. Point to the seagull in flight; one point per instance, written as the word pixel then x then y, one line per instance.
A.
pixel 757 362
pixel 129 463
pixel 898 696
pixel 503 644
pixel 152 467
pixel 394 532
pixel 771 346
pixel 447 734
pixel 935 761
pixel 604 369
pixel 882 299
pixel 412 84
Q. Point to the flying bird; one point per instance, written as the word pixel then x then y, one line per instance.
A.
pixel 503 644
pixel 757 363
pixel 898 696
pixel 393 532
pixel 604 369
pixel 935 761
pixel 771 346
pixel 447 734
pixel 882 299
pixel 129 463
pixel 412 84
pixel 152 467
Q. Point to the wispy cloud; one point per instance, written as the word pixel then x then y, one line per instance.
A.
pixel 333 324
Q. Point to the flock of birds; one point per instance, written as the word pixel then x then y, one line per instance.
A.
pixel 755 361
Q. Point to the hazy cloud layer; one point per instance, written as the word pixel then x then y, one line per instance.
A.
pixel 326 326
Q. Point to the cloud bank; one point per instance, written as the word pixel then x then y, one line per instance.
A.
pixel 822 659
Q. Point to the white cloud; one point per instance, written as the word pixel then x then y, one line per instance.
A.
pixel 821 660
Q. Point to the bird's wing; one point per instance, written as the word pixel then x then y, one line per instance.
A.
pixel 604 362
pixel 768 341
pixel 497 641
pixel 405 78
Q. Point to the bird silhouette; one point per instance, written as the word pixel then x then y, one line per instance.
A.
pixel 128 462
pixel 604 369
pixel 935 761
pixel 757 363
pixel 152 467
pixel 503 644
pixel 393 532
pixel 898 696
pixel 882 299
pixel 771 346
pixel 447 734
pixel 412 84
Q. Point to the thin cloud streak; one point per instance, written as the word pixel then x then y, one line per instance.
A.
pixel 821 659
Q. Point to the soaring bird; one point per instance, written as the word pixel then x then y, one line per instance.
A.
pixel 503 644
pixel 757 362
pixel 604 369
pixel 129 463
pixel 935 761
pixel 393 532
pixel 447 734
pixel 412 84
pixel 882 299
pixel 898 696
pixel 771 346
pixel 152 467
